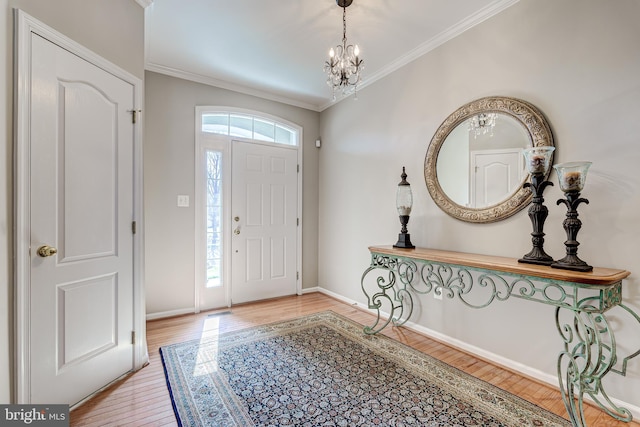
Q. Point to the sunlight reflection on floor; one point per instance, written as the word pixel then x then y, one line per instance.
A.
pixel 207 359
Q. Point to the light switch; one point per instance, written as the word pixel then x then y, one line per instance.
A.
pixel 183 201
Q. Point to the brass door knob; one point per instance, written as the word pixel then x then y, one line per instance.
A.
pixel 236 231
pixel 45 251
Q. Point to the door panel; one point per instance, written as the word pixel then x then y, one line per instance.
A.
pixel 79 340
pixel 255 255
pixel 81 202
pixel 278 257
pixel 253 200
pixel 264 198
pixel 81 239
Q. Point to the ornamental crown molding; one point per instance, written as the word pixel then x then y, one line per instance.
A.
pixel 144 3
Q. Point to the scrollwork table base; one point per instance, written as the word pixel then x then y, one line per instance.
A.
pixel 582 300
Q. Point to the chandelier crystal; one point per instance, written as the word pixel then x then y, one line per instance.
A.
pixel 482 123
pixel 344 65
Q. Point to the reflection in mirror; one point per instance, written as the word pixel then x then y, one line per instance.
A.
pixel 474 168
pixel 480 162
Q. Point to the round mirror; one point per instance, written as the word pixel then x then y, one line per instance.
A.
pixel 474 167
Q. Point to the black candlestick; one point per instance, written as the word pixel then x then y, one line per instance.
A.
pixel 538 213
pixel 572 225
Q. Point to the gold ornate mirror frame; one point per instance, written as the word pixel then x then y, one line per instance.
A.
pixel 539 135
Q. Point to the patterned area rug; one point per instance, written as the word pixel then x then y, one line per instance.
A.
pixel 322 370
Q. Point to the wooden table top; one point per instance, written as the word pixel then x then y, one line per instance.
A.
pixel 599 275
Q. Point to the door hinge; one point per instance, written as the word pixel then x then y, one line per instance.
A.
pixel 133 227
pixel 298 222
pixel 298 168
pixel 297 275
pixel 134 115
pixel 133 337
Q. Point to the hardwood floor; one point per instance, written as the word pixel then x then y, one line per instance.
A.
pixel 142 398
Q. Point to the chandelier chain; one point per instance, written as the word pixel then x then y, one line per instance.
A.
pixel 344 25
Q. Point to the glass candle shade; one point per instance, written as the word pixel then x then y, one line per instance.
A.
pixel 572 176
pixel 404 198
pixel 538 159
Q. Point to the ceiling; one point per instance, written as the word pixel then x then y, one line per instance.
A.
pixel 276 49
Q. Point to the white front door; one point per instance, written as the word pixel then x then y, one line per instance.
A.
pixel 81 204
pixel 264 221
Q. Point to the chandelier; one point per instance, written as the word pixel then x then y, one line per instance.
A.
pixel 344 65
pixel 482 123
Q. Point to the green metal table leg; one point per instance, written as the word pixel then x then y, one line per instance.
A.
pixel 392 289
pixel 589 354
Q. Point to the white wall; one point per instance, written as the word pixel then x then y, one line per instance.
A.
pixel 112 28
pixel 169 171
pixel 576 60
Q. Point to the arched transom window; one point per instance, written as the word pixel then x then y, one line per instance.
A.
pixel 249 126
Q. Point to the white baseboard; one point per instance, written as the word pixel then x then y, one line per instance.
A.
pixel 170 313
pixel 528 371
pixel 343 299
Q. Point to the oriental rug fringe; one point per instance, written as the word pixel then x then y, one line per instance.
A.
pixel 322 370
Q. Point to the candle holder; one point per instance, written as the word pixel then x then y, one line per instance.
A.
pixel 537 160
pixel 404 203
pixel 572 177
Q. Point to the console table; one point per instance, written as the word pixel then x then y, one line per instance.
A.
pixel 581 300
